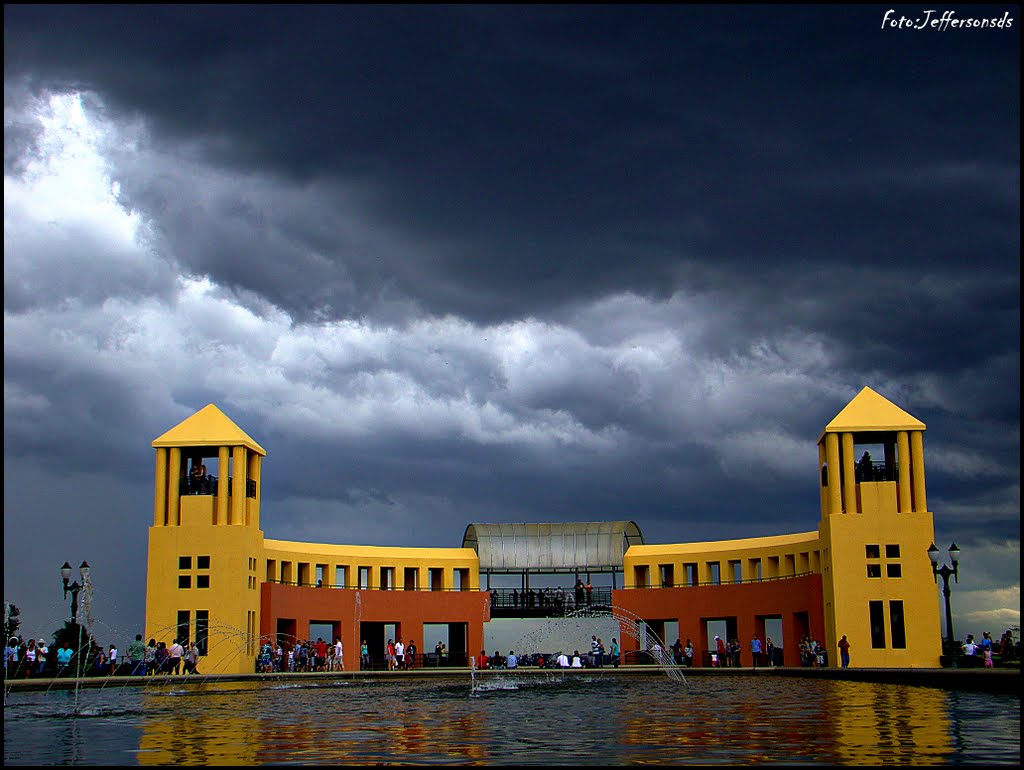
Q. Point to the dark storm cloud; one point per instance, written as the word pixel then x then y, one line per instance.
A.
pixel 544 155
pixel 516 263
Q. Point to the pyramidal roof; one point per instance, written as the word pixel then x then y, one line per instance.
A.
pixel 207 427
pixel 869 411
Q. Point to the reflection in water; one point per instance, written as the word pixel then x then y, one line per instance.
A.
pixel 570 720
pixel 895 724
pixel 846 723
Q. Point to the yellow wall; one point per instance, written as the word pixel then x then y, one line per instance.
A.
pixel 779 556
pixel 848 588
pixel 232 599
pixel 287 561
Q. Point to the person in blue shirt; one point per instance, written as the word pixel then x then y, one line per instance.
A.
pixel 64 655
pixel 511 661
pixel 755 650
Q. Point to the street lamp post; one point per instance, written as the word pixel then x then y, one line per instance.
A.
pixel 945 572
pixel 74 588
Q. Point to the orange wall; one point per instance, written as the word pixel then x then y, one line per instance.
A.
pixel 409 610
pixel 748 603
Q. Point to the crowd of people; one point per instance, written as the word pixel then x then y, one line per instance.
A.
pixel 728 653
pixel 973 652
pixel 304 656
pixel 557 599
pixel 400 656
pixel 33 658
pixel 597 657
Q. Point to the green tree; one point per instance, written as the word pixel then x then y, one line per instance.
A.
pixel 12 621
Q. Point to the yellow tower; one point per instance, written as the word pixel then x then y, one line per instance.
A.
pixel 875 530
pixel 205 544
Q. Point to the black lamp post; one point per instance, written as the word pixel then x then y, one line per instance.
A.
pixel 74 588
pixel 945 572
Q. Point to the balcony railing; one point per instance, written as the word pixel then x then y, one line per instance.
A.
pixel 745 581
pixel 511 602
pixel 321 584
pixel 209 485
pixel 873 471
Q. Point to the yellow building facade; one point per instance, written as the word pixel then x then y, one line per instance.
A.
pixel 864 573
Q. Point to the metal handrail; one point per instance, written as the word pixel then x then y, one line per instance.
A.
pixel 876 471
pixel 346 587
pixel 210 485
pixel 514 598
pixel 745 581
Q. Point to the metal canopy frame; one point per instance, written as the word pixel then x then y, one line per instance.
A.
pixel 574 547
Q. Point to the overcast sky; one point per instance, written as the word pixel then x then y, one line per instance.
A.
pixel 504 264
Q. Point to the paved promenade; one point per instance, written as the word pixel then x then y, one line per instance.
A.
pixel 1000 680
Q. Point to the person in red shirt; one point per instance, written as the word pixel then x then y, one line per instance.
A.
pixel 321 654
pixel 720 651
pixel 844 651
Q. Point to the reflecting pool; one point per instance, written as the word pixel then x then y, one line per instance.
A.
pixel 508 719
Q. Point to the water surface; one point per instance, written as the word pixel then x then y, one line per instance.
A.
pixel 575 719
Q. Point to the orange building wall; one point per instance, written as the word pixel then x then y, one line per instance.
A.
pixel 748 603
pixel 409 610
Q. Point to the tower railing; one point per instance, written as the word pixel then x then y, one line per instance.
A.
pixel 210 485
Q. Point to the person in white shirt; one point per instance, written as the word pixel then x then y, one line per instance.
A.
pixel 511 661
pixel 576 662
pixel 399 655
pixel 30 658
pixel 562 660
pixel 192 658
pixel 970 648
pixel 41 652
pixel 339 655
pixel 174 655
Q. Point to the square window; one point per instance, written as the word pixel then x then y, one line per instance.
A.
pixel 184 562
pixel 892 551
pixel 202 562
pixel 872 552
pixel 893 570
pixel 184 581
pixel 874 570
pixel 202 581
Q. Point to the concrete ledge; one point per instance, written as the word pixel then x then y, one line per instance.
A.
pixel 1004 681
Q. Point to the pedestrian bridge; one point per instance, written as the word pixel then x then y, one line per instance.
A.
pixel 539 570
